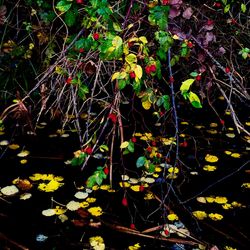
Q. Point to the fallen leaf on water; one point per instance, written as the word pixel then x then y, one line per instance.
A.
pixel 135 188
pixel 209 168
pixel 246 185
pixel 4 143
pixel 201 199
pixel 211 158
pixel 215 216
pixel 200 215
pixel 220 200
pixel 23 153
pixel 25 196
pixel 230 135
pixel 134 247
pixel 97 243
pixel 81 195
pixel 48 212
pixel 235 155
pixel 14 146
pixel 95 211
pixel 9 190
pixel 73 205
pixel 172 217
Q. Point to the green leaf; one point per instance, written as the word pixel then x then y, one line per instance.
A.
pixel 63 6
pixel 117 27
pixel 243 7
pixel 166 102
pixel 185 86
pixel 91 181
pixel 122 84
pixel 131 147
pixel 194 74
pixel 194 99
pixel 141 161
pixel 151 168
pixel 70 17
pixel 103 148
pixel 227 8
pixel 159 16
pixel 82 91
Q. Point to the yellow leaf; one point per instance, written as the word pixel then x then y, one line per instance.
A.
pixel 173 170
pixel 14 146
pixel 124 184
pixel 235 155
pixel 138 71
pixel 146 105
pixel 172 217
pixel 200 215
pixel 227 152
pixel 210 199
pixel 117 41
pixel 115 76
pixel 186 85
pixel 134 247
pixel 201 199
pixel 95 211
pixel 175 37
pixel 143 39
pixel 48 212
pixel 135 188
pixel 215 216
pixel 246 185
pixel 23 153
pixel 211 158
pixel 124 144
pixel 220 200
pixel 131 58
pixel 209 168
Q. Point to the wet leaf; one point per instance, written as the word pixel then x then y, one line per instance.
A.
pixel 48 212
pixel 172 217
pixel 220 200
pixel 9 190
pixel 81 195
pixel 235 155
pixel 73 205
pixel 97 243
pixel 209 168
pixel 135 188
pixel 124 144
pixel 14 146
pixel 95 211
pixel 200 215
pixel 25 196
pixel 211 158
pixel 215 216
pixel 23 153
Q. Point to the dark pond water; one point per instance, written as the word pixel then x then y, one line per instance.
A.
pixel 22 221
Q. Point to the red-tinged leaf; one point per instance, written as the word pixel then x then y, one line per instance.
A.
pixel 106 170
pixel 79 223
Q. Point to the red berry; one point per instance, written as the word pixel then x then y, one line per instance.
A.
pixel 222 122
pixel 184 144
pixel 88 150
pixel 171 79
pixel 198 78
pixel 133 139
pixel 233 21
pixel 190 45
pixel 96 36
pixel 69 80
pixel 79 1
pixel 217 4
pixel 153 143
pixel 152 68
pixel 130 44
pixel 158 155
pixel 132 75
pixel 149 149
pixel 227 69
pixel 210 22
pixel 148 70
pixel 106 170
pixel 165 2
pixel 124 202
pixel 112 117
pixel 132 226
pixel 142 188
